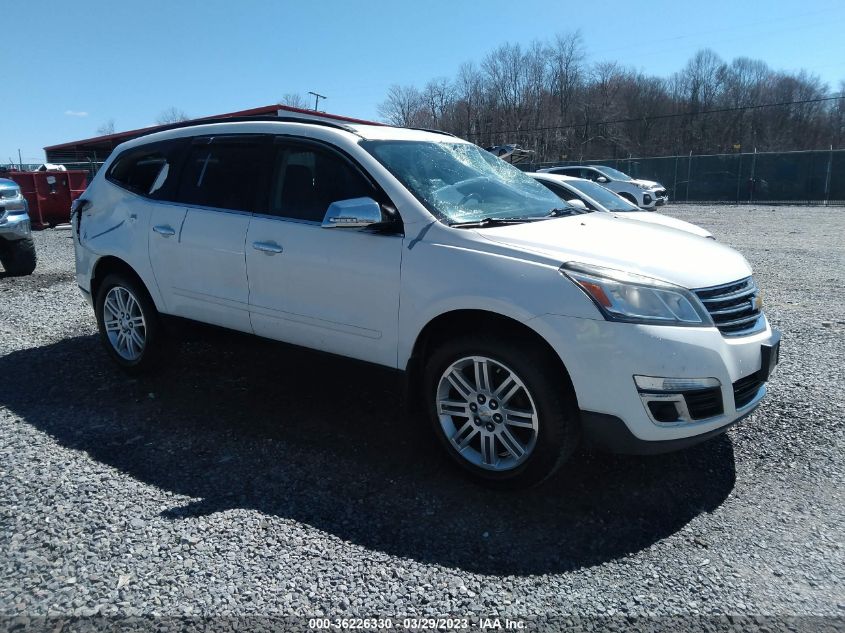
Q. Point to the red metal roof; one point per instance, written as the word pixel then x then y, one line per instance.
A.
pixel 119 137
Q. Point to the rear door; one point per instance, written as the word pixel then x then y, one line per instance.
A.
pixel 333 289
pixel 197 240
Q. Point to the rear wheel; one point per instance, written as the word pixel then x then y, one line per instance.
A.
pixel 18 256
pixel 501 409
pixel 129 323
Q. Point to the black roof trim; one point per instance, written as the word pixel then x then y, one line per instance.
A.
pixel 432 130
pixel 262 117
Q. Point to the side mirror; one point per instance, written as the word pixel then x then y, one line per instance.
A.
pixel 354 213
pixel 578 204
pixel 602 179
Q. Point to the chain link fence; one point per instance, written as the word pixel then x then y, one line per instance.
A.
pixel 809 177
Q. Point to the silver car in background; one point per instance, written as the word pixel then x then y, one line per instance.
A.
pixel 646 194
pixel 17 250
pixel 595 197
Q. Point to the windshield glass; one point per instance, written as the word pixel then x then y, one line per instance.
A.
pixel 605 197
pixel 615 174
pixel 460 182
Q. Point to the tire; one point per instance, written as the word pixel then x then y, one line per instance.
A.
pixel 18 257
pixel 460 415
pixel 134 337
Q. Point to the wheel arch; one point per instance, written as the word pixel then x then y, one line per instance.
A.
pixel 110 264
pixel 463 321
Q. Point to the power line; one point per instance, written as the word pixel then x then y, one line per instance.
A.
pixel 660 116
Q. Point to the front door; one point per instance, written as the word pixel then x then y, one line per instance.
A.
pixel 336 289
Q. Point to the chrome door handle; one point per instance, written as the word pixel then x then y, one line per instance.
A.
pixel 268 248
pixel 164 230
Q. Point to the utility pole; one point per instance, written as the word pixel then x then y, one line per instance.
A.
pixel 20 160
pixel 827 176
pixel 317 98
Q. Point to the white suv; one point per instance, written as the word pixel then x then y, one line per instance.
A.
pixel 646 194
pixel 521 327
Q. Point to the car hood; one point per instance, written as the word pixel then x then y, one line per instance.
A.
pixel 648 183
pixel 665 220
pixel 644 248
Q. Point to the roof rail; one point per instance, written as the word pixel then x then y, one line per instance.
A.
pixel 261 117
pixel 428 129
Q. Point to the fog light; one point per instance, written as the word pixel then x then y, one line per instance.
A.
pixel 655 383
pixel 674 400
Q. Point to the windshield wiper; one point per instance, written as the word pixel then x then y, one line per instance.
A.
pixel 559 212
pixel 485 222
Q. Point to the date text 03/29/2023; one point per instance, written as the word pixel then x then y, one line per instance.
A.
pixel 417 624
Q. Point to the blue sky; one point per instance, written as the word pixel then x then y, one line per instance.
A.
pixel 71 66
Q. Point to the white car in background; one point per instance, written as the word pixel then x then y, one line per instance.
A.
pixel 595 197
pixel 646 194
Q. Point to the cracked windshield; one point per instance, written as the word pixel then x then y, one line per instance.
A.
pixel 460 182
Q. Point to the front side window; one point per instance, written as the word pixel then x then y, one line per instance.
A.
pixel 305 180
pixel 561 192
pixel 222 173
pixel 460 182
pixel 612 174
pixel 605 197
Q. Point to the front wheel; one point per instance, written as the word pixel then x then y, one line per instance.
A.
pixel 503 410
pixel 129 324
pixel 18 257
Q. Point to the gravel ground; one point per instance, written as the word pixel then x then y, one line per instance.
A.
pixel 233 483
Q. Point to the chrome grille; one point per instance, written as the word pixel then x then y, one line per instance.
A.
pixel 734 307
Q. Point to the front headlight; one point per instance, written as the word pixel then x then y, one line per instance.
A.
pixel 631 298
pixel 645 186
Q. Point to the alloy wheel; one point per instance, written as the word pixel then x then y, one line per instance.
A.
pixel 124 323
pixel 487 413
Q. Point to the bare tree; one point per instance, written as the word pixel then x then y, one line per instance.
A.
pixel 404 106
pixel 294 100
pixel 106 128
pixel 171 115
pixel 469 93
pixel 438 96
pixel 545 96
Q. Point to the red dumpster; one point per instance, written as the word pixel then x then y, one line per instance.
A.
pixel 49 194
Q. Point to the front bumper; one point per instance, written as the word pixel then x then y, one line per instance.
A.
pixel 647 200
pixel 603 357
pixel 14 225
pixel 653 198
pixel 609 433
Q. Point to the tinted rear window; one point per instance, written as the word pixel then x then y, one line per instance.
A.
pixel 222 174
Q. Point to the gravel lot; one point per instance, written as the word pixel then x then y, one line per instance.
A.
pixel 247 478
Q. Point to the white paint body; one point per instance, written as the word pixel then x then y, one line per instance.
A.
pixel 368 296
